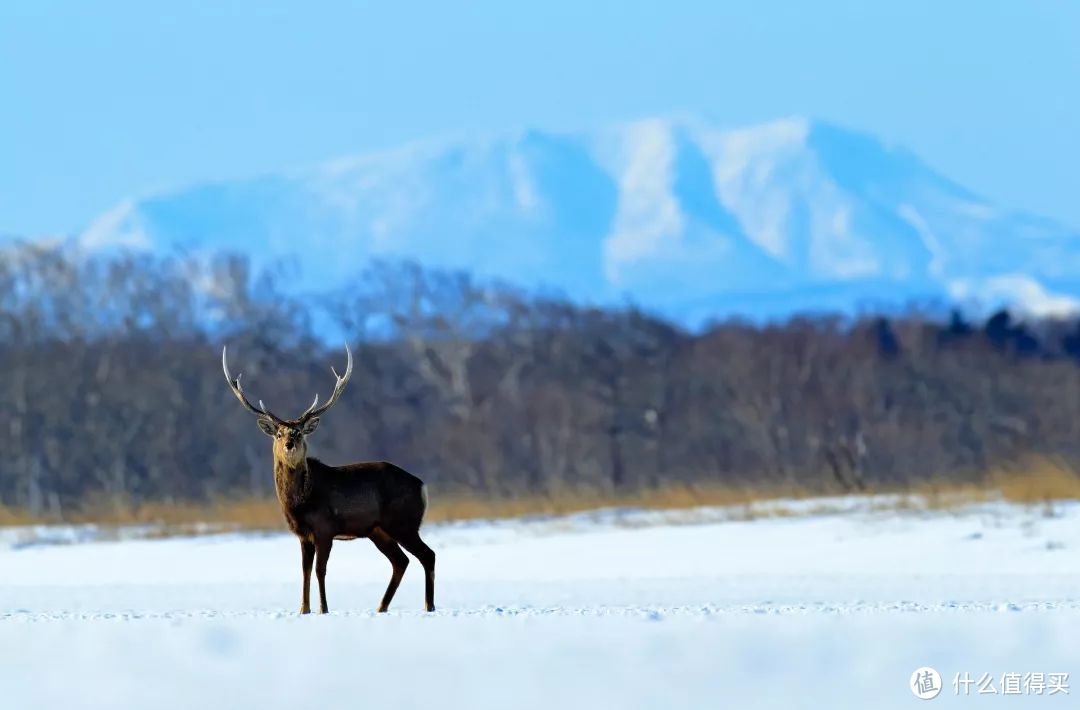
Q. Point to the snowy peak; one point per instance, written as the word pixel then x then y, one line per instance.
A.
pixel 677 214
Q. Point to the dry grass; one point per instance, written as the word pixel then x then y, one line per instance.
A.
pixel 265 514
pixel 224 514
pixel 566 502
pixel 14 516
pixel 1038 481
pixel 1042 481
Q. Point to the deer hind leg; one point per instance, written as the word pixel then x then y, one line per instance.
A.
pixel 426 555
pixel 307 557
pixel 322 556
pixel 398 559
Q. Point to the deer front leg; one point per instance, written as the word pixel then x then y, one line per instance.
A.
pixel 307 556
pixel 322 556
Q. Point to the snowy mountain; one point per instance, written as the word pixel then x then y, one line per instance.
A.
pixel 676 215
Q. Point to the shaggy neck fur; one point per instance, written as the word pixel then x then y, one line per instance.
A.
pixel 292 481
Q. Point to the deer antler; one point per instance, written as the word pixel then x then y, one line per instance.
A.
pixel 339 386
pixel 234 385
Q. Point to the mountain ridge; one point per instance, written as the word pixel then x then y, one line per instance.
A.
pixel 675 214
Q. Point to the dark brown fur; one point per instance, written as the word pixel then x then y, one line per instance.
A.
pixel 322 503
pixel 376 500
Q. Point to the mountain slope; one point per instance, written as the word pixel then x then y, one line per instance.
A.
pixel 678 215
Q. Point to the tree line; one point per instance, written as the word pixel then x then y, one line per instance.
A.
pixel 112 386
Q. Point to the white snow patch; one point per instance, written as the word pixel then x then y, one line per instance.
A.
pixel 521 182
pixel 1018 290
pixel 938 255
pixel 648 217
pixel 118 227
pixel 745 165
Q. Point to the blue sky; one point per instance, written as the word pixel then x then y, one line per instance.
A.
pixel 114 98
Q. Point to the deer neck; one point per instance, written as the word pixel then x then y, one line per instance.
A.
pixel 292 483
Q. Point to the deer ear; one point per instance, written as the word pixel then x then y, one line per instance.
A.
pixel 310 425
pixel 267 426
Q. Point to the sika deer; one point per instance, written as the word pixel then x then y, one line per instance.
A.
pixel 322 503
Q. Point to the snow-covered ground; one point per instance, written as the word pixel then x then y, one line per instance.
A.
pixel 625 609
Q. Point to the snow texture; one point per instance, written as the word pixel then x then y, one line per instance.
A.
pixel 823 604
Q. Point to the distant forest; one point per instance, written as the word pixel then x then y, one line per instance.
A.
pixel 112 387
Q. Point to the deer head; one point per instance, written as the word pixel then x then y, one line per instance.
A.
pixel 289 435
